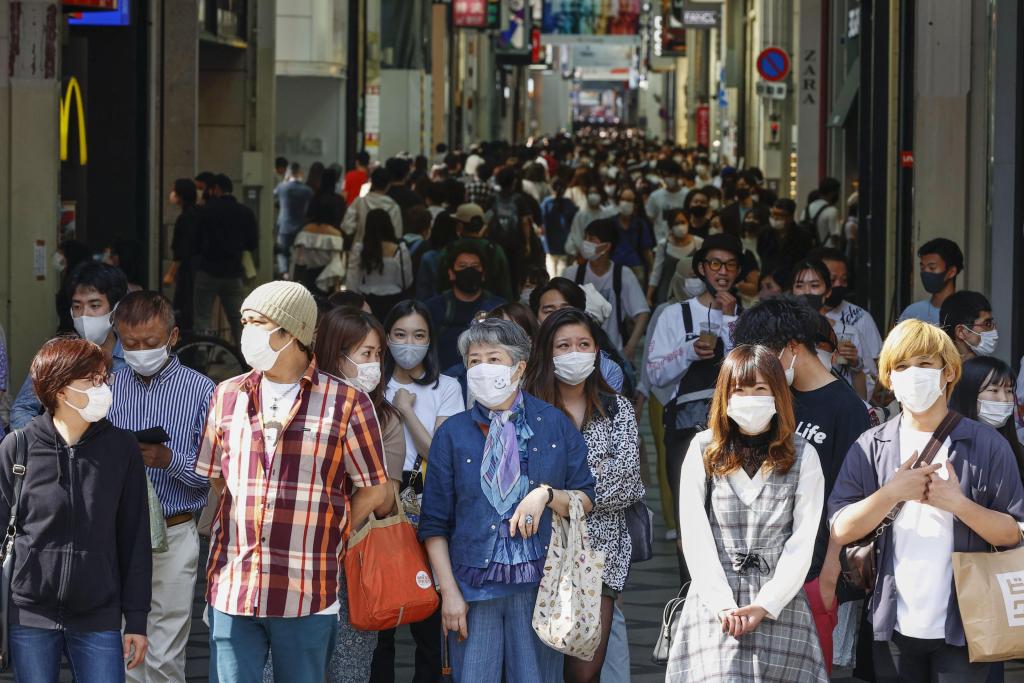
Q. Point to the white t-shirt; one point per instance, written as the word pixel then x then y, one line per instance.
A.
pixel 430 404
pixel 276 401
pixel 634 302
pixel 923 551
pixel 660 201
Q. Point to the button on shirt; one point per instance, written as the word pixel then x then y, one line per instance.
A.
pixel 280 529
pixel 177 398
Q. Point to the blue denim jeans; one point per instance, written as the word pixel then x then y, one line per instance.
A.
pixel 502 641
pixel 93 657
pixel 239 647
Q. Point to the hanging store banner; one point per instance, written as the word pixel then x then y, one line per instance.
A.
pixel 90 4
pixel 592 17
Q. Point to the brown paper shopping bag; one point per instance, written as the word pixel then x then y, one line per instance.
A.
pixel 990 591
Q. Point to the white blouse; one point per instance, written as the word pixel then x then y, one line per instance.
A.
pixel 708 577
pixel 395 278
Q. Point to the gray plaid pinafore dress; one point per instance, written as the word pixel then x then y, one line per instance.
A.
pixel 750 541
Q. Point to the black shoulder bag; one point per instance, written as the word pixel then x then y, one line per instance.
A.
pixel 7 549
pixel 859 560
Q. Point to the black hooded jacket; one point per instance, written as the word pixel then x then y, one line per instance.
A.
pixel 82 554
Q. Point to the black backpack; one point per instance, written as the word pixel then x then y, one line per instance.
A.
pixel 810 223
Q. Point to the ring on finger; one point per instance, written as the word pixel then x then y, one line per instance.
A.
pixel 529 520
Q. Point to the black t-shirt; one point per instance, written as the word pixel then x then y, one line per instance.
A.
pixel 830 419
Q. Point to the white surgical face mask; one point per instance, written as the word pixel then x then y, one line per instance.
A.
pixel 994 413
pixel 777 223
pixel 147 362
pixel 826 359
pixel 256 347
pixel 626 208
pixel 94 328
pixel 987 344
pixel 408 356
pixel 917 389
pixel 752 414
pixel 98 405
pixel 367 376
pixel 702 170
pixel 680 230
pixel 491 384
pixel 594 200
pixel 524 296
pixel 575 367
pixel 588 250
pixel 791 370
pixel 693 286
pixel 715 204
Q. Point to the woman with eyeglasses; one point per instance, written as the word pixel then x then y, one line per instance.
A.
pixel 82 551
pixel 751 494
pixel 562 372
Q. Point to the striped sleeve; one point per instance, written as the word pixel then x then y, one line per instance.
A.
pixel 363 445
pixel 208 460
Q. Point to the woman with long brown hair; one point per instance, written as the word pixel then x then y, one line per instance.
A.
pixel 561 372
pixel 751 494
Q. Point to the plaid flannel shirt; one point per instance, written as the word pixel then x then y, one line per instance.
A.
pixel 280 529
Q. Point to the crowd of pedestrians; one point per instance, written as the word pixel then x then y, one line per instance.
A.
pixel 468 347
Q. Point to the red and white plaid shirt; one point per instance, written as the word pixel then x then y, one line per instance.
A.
pixel 278 536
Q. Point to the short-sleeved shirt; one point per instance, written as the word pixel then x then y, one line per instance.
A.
pixel 633 303
pixel 280 529
pixel 431 402
pixel 921 310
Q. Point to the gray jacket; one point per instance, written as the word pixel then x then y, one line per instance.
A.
pixel 988 474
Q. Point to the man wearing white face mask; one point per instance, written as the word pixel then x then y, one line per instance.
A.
pixel 156 390
pixel 257 439
pixel 964 495
pixel 671 196
pixel 967 318
pixel 94 289
pixel 671 254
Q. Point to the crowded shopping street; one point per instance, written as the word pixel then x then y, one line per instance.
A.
pixel 512 341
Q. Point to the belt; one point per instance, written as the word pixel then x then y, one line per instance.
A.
pixel 179 519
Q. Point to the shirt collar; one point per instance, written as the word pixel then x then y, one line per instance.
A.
pixel 890 431
pixel 165 373
pixel 309 378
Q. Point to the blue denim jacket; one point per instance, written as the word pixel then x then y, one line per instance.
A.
pixel 454 506
pixel 988 474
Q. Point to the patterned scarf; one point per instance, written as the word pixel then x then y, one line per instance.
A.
pixel 500 469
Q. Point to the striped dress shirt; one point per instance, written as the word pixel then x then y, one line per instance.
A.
pixel 177 398
pixel 280 529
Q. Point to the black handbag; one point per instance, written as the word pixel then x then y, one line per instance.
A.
pixel 640 524
pixel 7 549
pixel 859 560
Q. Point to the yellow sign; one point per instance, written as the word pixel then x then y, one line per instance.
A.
pixel 65 116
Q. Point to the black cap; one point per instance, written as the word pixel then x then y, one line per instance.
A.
pixel 723 241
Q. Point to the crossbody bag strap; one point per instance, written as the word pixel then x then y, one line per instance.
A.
pixel 926 457
pixel 18 470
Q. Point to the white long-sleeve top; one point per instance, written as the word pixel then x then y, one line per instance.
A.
pixel 708 576
pixel 670 351
pixel 395 277
pixel 580 221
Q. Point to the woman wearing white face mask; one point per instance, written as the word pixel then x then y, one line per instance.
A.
pixel 967 318
pixel 82 525
pixel 563 372
pixel 967 498
pixel 751 494
pixel 636 235
pixel 595 208
pixel 348 345
pixel 986 393
pixel 671 255
pixel 497 474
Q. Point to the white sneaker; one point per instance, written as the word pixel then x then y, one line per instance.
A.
pixel 671 535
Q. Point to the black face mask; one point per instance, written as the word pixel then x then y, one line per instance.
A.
pixel 837 296
pixel 812 300
pixel 698 211
pixel 933 282
pixel 469 280
pixel 742 193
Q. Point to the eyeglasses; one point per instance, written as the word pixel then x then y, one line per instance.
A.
pixel 716 265
pixel 987 325
pixel 99 380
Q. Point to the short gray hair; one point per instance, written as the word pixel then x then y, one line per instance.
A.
pixel 496 332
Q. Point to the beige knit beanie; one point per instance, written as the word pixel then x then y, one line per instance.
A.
pixel 288 304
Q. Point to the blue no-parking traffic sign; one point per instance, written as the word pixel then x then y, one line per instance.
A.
pixel 773 64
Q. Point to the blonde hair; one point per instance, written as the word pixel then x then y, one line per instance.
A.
pixel 916 338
